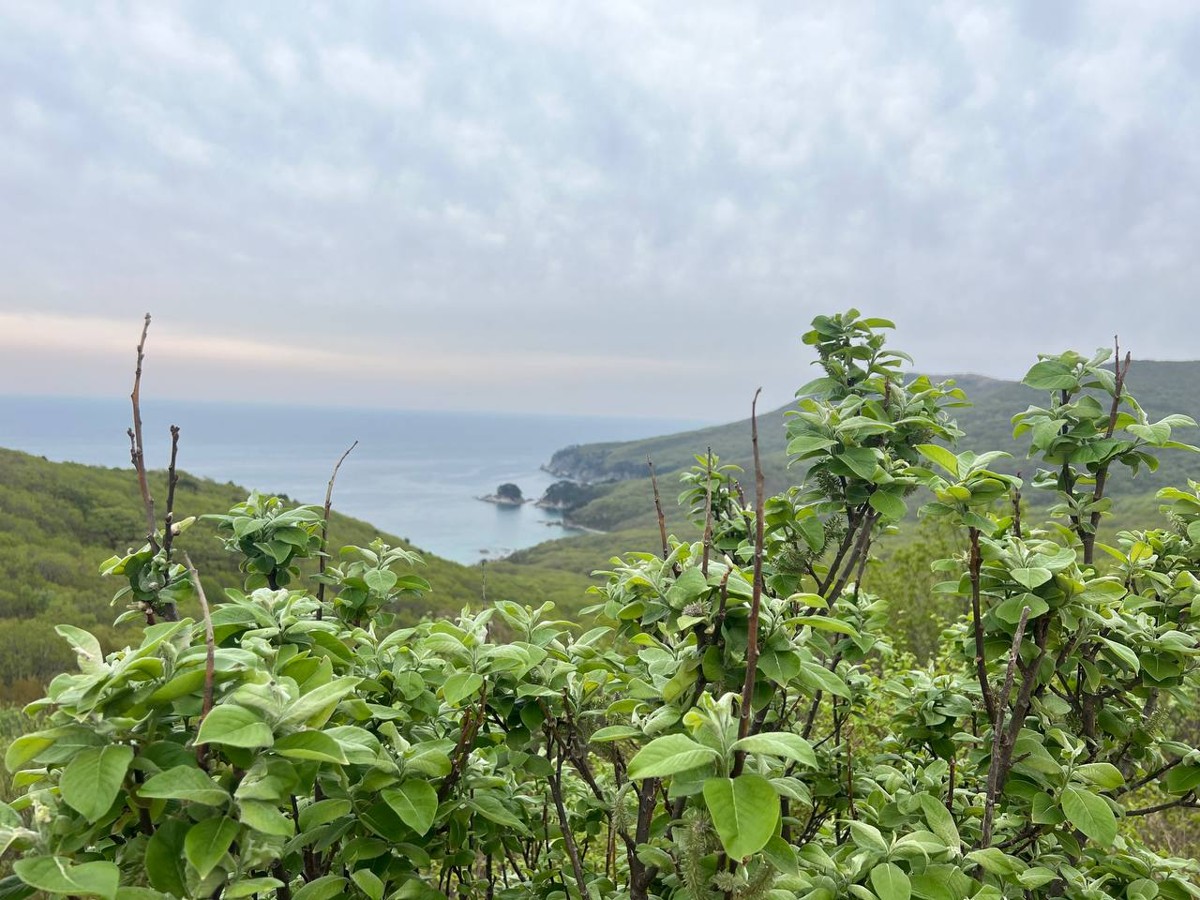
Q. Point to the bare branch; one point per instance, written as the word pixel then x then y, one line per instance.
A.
pixel 975 564
pixel 565 826
pixel 708 513
pixel 325 527
pixel 756 598
pixel 172 480
pixel 1088 538
pixel 137 448
pixel 998 763
pixel 658 509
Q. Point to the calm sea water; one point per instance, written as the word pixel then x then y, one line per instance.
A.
pixel 413 474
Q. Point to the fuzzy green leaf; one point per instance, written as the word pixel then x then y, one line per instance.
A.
pixel 745 811
pixel 669 755
pixel 91 781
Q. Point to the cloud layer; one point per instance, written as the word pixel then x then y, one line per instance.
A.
pixel 589 206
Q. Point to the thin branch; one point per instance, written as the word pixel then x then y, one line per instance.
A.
pixel 172 480
pixel 997 763
pixel 325 527
pixel 658 510
pixel 862 548
pixel 1016 508
pixel 756 598
pixel 1088 539
pixel 708 513
pixel 1188 801
pixel 847 540
pixel 209 648
pixel 564 825
pixel 137 448
pixel 975 564
pixel 1141 782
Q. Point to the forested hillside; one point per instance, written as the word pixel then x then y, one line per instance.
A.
pixel 1162 387
pixel 59 521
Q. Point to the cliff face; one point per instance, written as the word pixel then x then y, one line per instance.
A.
pixel 590 464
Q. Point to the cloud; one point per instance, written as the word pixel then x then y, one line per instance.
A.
pixel 355 72
pixel 527 183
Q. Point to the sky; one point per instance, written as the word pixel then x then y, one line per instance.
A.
pixel 610 208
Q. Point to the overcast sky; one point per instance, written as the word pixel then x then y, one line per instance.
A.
pixel 617 207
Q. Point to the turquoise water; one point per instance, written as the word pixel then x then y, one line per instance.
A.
pixel 413 474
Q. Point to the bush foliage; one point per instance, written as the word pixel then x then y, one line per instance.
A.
pixel 733 722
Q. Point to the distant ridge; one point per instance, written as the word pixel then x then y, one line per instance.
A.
pixel 1161 387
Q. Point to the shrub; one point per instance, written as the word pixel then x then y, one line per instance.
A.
pixel 735 723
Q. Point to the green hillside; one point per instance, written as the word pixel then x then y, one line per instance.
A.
pixel 1161 387
pixel 59 521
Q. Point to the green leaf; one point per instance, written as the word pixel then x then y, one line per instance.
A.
pixel 1104 775
pixel 368 882
pixel 1032 577
pixel 862 461
pixel 1126 656
pixel 249 887
pixel 235 726
pixel 1010 610
pixel 314 745
pixel 996 861
pixel 1142 889
pixel 323 812
pixel 615 733
pixel 689 586
pixel 745 811
pixel 1037 877
pixel 92 780
pixel 265 817
pixel 314 708
pixel 207 842
pixel 1090 814
pixel 325 888
pixel 184 783
pixel 890 882
pixel 826 623
pixel 779 743
pixel 888 505
pixel 1182 779
pixel 415 802
pixel 782 855
pixel 460 686
pixel 939 456
pixel 88 654
pixel 1050 375
pixel 655 856
pixel 867 837
pixel 56 875
pixel 822 679
pixel 669 755
pixel 380 580
pixel 25 748
pixel 164 860
pixel 940 821
pixel 490 807
pixel 812 529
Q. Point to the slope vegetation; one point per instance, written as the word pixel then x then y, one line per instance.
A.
pixel 1162 388
pixel 59 521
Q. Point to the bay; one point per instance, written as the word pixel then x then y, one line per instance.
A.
pixel 415 474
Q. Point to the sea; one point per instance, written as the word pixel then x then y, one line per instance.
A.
pixel 414 474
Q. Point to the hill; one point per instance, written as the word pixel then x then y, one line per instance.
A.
pixel 1161 387
pixel 59 521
